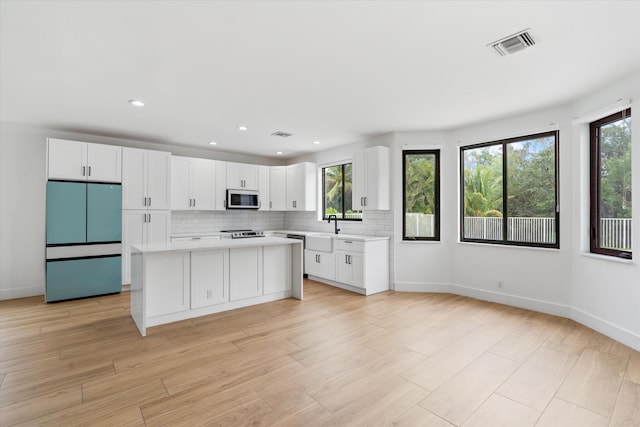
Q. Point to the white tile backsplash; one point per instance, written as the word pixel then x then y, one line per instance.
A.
pixel 194 222
pixel 374 223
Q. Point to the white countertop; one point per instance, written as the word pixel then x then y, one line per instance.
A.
pixel 212 244
pixel 356 237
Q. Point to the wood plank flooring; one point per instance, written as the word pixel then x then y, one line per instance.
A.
pixel 334 359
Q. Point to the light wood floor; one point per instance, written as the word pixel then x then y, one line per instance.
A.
pixel 335 358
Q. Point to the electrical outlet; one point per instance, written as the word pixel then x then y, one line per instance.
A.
pixel 500 284
pixel 209 293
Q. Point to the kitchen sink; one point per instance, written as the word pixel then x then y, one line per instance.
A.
pixel 319 242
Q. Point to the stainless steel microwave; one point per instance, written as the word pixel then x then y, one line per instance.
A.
pixel 243 199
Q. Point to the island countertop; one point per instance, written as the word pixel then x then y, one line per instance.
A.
pixel 194 245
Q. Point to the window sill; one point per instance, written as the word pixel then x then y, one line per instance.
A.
pixel 415 242
pixel 607 258
pixel 517 247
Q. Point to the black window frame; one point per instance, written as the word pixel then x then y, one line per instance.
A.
pixel 505 195
pixel 436 197
pixel 594 186
pixel 324 192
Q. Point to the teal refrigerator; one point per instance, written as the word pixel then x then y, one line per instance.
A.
pixel 83 235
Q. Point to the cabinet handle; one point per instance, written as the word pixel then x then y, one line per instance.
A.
pixel 361 201
pixel 149 218
pixel 89 170
pixel 270 204
pixel 84 171
pixel 194 203
pixel 144 201
pixel 149 201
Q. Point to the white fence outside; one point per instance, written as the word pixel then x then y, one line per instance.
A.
pixel 615 232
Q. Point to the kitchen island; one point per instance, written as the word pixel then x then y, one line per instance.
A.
pixel 181 280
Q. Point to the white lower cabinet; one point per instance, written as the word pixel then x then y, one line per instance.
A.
pixel 170 275
pixel 209 277
pixel 276 262
pixel 360 265
pixel 138 227
pixel 245 272
pixel 320 264
pixel 350 268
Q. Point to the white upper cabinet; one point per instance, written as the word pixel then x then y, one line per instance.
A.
pixel 220 186
pixel 263 187
pixel 241 176
pixel 301 187
pixel 192 184
pixel 145 179
pixel 371 179
pixel 83 161
pixel 277 188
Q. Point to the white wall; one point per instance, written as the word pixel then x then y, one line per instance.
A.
pixel 425 266
pixel 22 199
pixel 605 293
pixel 600 292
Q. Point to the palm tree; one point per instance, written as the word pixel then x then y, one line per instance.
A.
pixel 482 192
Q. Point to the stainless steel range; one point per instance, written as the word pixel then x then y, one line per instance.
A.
pixel 241 234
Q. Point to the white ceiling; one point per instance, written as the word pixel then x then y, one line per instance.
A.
pixel 333 71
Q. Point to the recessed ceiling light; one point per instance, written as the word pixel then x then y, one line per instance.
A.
pixel 242 128
pixel 278 152
pixel 316 142
pixel 136 102
pixel 213 143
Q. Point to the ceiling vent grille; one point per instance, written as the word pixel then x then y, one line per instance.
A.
pixel 515 42
pixel 282 134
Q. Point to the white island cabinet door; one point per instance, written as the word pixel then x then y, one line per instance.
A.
pixel 209 277
pixel 167 283
pixel 277 269
pixel 245 272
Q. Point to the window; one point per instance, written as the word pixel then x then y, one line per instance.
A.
pixel 509 191
pixel 421 194
pixel 611 185
pixel 337 191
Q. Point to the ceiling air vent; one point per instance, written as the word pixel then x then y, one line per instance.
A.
pixel 515 42
pixel 281 134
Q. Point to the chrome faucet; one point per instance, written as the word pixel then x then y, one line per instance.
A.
pixel 335 221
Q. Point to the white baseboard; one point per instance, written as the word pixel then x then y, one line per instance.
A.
pixel 541 306
pixel 423 287
pixel 623 335
pixel 31 291
pixel 609 329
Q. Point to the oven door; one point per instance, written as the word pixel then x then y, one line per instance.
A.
pixel 243 199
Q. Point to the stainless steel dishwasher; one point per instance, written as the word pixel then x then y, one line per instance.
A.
pixel 304 246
